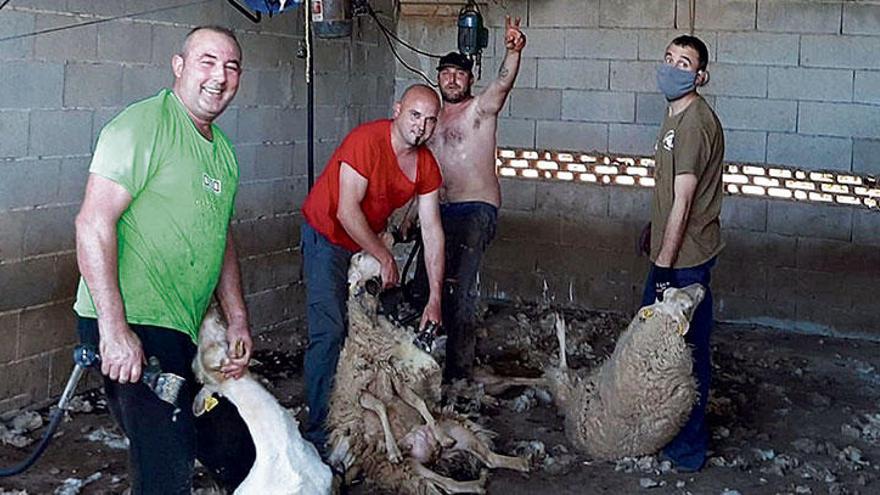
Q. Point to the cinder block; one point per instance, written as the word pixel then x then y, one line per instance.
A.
pixel 540 43
pixel 62 132
pixel 265 52
pixel 861 18
pixel 565 13
pixel 46 328
pixel 724 15
pixel 758 48
pixel 517 194
pixel 516 132
pixel 527 77
pixel 845 52
pixel 834 256
pixel 757 114
pixel 615 44
pixel 92 85
pixel 756 248
pixel 14 23
pixel 809 220
pixel 867 87
pixel 631 204
pixel 634 76
pixel 570 200
pixel 123 41
pixel 798 16
pixel 268 161
pixel 13 134
pixel 810 84
pixel 598 106
pixel 74 173
pixel 811 152
pixel 528 226
pixel 866 227
pixel 141 82
pixel 653 43
pixel 637 14
pixel 50 230
pixel 505 285
pixel 27 377
pixel 651 109
pixel 754 310
pixel 865 156
pixel 166 41
pixel 66 277
pixel 26 283
pixel 572 74
pixel 743 213
pixel 262 124
pixel 744 146
pixel 632 139
pixel 12 240
pixel 267 235
pixel 571 136
pixel 535 103
pixel 839 119
pixel 251 200
pixel 736 80
pixel 613 234
pixel 9 325
pixel 29 85
pixel 103 7
pixel 514 254
pixel 29 183
pixel 80 43
pixel 748 282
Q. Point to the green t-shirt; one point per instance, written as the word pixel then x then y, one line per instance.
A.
pixel 172 237
pixel 691 142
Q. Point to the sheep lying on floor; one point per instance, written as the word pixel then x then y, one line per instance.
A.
pixel 381 419
pixel 285 464
pixel 641 396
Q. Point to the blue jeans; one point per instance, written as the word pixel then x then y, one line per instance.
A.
pixel 469 227
pixel 688 449
pixel 163 444
pixel 325 266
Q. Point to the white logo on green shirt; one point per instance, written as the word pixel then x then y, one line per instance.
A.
pixel 213 185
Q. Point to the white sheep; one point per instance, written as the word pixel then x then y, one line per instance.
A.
pixel 381 419
pixel 641 396
pixel 285 463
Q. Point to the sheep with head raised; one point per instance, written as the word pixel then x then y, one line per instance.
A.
pixel 641 396
pixel 381 419
pixel 285 463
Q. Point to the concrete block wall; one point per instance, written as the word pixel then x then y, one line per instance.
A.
pixel 794 82
pixel 58 89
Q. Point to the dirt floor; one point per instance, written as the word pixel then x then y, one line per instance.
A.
pixel 789 414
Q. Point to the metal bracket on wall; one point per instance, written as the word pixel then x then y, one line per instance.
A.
pixel 254 17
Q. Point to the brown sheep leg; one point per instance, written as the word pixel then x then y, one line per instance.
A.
pixel 413 400
pixel 449 485
pixel 370 402
pixel 466 441
pixel 494 384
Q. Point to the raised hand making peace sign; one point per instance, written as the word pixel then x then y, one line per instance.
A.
pixel 514 39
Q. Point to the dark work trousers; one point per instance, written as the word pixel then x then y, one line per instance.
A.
pixel 163 443
pixel 688 449
pixel 469 227
pixel 325 266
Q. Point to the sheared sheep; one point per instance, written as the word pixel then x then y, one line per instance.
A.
pixel 285 463
pixel 381 419
pixel 641 396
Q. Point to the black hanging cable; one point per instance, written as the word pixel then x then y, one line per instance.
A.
pixel 403 62
pixel 4 4
pixel 98 21
pixel 392 34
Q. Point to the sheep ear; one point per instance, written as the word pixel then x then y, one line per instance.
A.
pixel 204 402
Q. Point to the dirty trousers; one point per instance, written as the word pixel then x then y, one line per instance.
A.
pixel 163 443
pixel 325 267
pixel 688 449
pixel 469 227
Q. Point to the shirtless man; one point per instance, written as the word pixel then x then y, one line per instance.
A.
pixel 464 145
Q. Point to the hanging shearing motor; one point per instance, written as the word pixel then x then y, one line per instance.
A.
pixel 331 18
pixel 472 34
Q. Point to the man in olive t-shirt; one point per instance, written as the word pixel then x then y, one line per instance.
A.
pixel 685 233
pixel 153 246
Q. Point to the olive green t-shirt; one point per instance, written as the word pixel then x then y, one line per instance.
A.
pixel 172 237
pixel 691 142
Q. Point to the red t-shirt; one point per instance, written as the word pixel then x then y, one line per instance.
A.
pixel 367 149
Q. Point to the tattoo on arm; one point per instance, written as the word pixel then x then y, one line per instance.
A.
pixel 503 72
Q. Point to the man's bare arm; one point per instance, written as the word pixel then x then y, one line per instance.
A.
pixel 352 189
pixel 684 187
pixel 434 242
pixel 490 101
pixel 231 297
pixel 97 255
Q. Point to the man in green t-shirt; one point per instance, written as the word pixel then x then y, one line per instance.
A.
pixel 685 232
pixel 153 246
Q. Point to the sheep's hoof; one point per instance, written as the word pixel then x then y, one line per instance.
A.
pixel 394 455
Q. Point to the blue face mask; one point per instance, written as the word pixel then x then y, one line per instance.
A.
pixel 674 82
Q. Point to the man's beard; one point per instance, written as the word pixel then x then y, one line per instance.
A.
pixel 461 96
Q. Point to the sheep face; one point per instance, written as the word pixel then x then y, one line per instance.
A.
pixel 212 353
pixel 363 270
pixel 681 304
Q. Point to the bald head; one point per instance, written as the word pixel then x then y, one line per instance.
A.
pixel 415 115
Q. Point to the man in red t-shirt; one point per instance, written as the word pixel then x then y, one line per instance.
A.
pixel 378 168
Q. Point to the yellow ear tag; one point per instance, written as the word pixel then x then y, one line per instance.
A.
pixel 210 403
pixel 680 328
pixel 647 313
